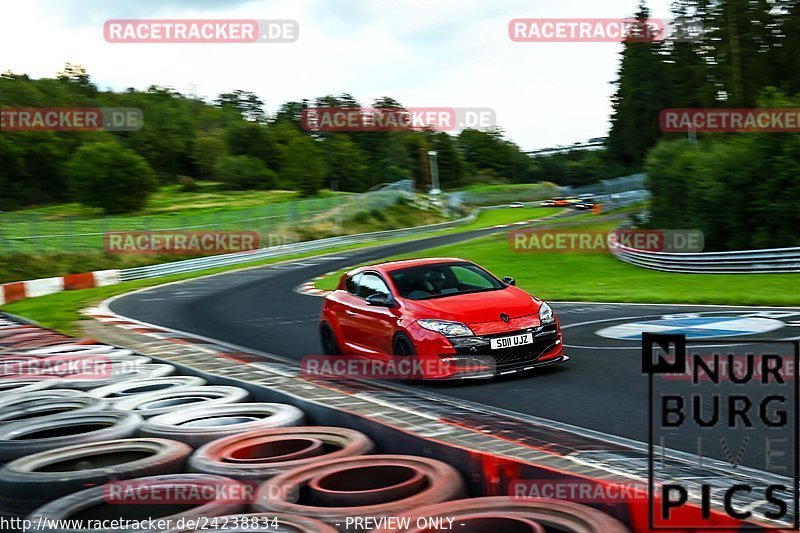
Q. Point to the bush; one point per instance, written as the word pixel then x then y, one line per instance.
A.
pixel 110 177
pixel 187 184
pixel 207 151
pixel 244 172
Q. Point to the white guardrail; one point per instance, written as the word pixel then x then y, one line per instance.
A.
pixel 214 261
pixel 768 261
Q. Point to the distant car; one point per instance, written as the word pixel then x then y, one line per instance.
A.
pixel 556 201
pixel 447 314
pixel 583 205
pixel 516 204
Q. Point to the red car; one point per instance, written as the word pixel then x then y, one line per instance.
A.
pixel 450 314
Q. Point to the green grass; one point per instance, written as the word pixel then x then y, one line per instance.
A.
pixel 61 311
pixel 486 194
pixel 208 207
pixel 601 277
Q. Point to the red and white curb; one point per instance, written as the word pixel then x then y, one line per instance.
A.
pixel 309 289
pixel 19 290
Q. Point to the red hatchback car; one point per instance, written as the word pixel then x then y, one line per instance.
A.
pixel 450 313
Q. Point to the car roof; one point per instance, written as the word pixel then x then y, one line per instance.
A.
pixel 391 266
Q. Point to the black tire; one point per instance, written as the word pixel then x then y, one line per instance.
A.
pixel 131 387
pixel 159 403
pixel 25 437
pixel 10 400
pixel 93 503
pixel 39 404
pixel 29 482
pixel 199 425
pixel 328 340
pixel 12 387
pixel 403 346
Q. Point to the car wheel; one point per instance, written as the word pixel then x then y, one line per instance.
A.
pixel 403 346
pixel 330 346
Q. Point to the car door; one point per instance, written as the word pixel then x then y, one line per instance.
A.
pixel 346 317
pixel 374 325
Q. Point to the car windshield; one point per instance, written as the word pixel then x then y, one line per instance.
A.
pixel 441 280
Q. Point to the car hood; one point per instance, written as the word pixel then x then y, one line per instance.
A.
pixel 477 308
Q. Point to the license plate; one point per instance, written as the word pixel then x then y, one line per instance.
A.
pixel 511 342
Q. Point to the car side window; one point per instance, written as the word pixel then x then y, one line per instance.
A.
pixel 370 284
pixel 351 284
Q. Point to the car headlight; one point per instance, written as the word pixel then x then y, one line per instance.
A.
pixel 546 315
pixel 446 328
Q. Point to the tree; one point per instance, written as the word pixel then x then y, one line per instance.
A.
pixel 345 163
pixel 207 151
pixel 244 172
pixel 303 165
pixel 255 140
pixel 245 102
pixel 110 177
pixel 639 98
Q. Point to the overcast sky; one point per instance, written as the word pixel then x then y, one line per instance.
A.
pixel 424 53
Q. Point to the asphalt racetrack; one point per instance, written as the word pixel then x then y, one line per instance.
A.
pixel 601 388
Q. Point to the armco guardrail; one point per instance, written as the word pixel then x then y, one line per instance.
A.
pixel 768 261
pixel 202 263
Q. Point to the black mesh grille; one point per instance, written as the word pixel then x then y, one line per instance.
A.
pixel 518 357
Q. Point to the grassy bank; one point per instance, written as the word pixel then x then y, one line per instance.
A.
pixel 25 266
pixel 601 277
pixel 61 311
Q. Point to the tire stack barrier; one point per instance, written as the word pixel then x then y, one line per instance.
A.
pixel 65 440
pixel 262 454
pixel 206 423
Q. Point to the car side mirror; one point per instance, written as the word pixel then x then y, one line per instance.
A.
pixel 508 280
pixel 380 300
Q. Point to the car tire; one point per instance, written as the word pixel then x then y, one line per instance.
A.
pixel 252 455
pixel 159 403
pixel 26 437
pixel 200 425
pixel 29 482
pixel 403 346
pixel 96 498
pixel 328 340
pixel 133 387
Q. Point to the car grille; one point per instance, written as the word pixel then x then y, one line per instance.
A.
pixel 515 358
